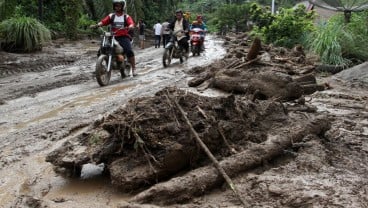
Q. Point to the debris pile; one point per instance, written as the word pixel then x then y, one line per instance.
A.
pixel 152 147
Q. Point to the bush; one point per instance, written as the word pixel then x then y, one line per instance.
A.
pixel 288 28
pixel 340 43
pixel 23 34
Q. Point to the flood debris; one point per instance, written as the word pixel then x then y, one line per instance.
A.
pixel 150 150
pixel 148 141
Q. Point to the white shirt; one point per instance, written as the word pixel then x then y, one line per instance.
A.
pixel 157 27
pixel 165 29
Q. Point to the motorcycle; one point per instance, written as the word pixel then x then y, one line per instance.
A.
pixel 107 59
pixel 196 40
pixel 173 50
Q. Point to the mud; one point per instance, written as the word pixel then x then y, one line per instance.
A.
pixel 134 128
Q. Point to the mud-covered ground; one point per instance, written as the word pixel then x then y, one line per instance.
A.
pixel 49 99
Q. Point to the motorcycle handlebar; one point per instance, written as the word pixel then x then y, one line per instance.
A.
pixel 103 31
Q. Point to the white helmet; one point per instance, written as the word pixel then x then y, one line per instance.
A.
pixel 122 2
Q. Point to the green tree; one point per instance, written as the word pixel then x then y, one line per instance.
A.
pixel 288 27
pixel 72 12
pixel 6 8
pixel 231 16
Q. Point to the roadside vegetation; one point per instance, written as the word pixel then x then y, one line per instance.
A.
pixel 340 40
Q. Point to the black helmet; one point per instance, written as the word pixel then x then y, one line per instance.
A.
pixel 122 2
pixel 179 11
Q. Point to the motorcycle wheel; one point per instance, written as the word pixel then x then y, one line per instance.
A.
pixel 166 58
pixel 102 76
pixel 197 50
pixel 184 57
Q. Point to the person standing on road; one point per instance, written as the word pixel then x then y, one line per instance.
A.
pixel 121 23
pixel 141 28
pixel 181 24
pixel 165 33
pixel 157 27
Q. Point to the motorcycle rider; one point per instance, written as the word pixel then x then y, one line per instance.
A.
pixel 181 24
pixel 200 24
pixel 121 23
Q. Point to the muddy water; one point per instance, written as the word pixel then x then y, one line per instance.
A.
pixel 50 108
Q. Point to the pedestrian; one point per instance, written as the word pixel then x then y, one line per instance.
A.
pixel 141 28
pixel 157 27
pixel 181 24
pixel 121 23
pixel 165 32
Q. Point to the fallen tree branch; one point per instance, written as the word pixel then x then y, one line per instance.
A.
pixel 209 154
pixel 248 63
pixel 198 181
pixel 287 67
pixel 236 62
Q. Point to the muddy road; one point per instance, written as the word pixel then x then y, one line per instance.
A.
pixel 51 97
pixel 47 96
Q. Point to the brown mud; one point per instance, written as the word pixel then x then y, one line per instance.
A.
pixel 285 134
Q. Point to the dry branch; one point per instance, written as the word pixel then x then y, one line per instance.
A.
pixel 236 62
pixel 287 67
pixel 203 179
pixel 247 63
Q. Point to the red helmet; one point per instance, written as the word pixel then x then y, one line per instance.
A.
pixel 199 17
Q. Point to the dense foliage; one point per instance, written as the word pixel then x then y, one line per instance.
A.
pixel 289 27
pixel 24 34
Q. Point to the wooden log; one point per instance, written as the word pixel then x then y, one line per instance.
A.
pixel 199 80
pixel 198 181
pixel 307 69
pixel 309 78
pixel 289 68
pixel 330 68
pixel 230 84
pixel 210 155
pixel 311 88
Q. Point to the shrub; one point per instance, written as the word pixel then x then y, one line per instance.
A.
pixel 23 34
pixel 341 43
pixel 288 28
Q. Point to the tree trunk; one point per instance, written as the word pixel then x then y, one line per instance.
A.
pixel 40 10
pixel 203 179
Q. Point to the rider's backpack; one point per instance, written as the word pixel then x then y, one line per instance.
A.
pixel 130 32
